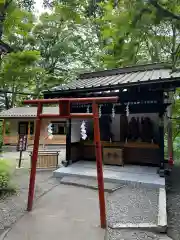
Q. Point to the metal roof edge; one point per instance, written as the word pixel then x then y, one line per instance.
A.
pixel 17 117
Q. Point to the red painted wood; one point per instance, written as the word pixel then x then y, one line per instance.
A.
pixel 72 115
pixel 64 108
pixel 34 159
pixel 98 149
pixel 52 116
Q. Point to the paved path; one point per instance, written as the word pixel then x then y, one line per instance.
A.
pixel 13 207
pixel 64 213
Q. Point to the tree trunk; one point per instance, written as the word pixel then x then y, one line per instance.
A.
pixel 7 103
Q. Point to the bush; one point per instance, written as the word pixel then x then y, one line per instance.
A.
pixel 5 177
pixel 1 137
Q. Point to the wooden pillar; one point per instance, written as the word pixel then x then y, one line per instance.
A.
pixel 161 139
pixel 169 132
pixel 98 150
pixel 161 132
pixel 68 142
pixel 34 159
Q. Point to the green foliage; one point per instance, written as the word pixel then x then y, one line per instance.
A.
pixel 5 176
pixel 176 124
pixel 66 43
pixel 17 71
pixel 135 32
pixel 1 138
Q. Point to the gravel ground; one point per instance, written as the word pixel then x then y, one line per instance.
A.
pixel 133 204
pixel 13 207
pixel 173 203
pixel 133 235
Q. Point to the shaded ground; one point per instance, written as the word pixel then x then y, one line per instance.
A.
pixel 173 203
pixel 13 207
pixel 72 213
pixel 66 213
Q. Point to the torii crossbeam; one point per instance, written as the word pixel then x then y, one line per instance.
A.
pixel 64 112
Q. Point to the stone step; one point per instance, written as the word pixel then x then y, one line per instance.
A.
pixel 89 183
pixel 132 174
pixel 141 227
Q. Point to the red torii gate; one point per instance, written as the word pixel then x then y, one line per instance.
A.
pixel 64 112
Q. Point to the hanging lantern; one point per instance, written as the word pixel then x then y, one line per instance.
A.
pixel 100 112
pixel 113 111
pixel 127 110
pixel 83 130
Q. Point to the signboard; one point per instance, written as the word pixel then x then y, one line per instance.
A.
pixel 22 143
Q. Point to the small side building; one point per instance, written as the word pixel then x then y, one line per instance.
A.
pixel 21 120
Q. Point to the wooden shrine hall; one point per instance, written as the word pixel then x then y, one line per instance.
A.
pixel 132 130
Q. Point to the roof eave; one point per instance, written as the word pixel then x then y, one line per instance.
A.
pixel 114 87
pixel 16 117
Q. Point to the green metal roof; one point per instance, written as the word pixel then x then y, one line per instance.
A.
pixel 122 77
